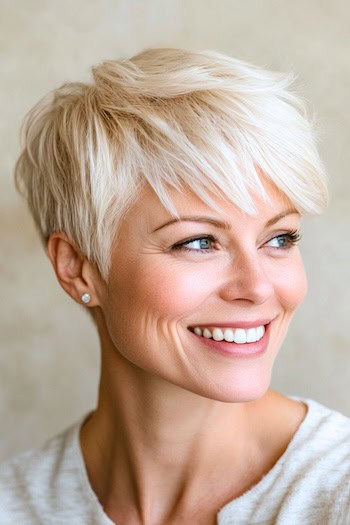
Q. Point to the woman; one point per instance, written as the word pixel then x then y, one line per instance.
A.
pixel 169 195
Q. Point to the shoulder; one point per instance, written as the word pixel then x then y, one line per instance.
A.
pixel 315 468
pixel 310 483
pixel 317 462
pixel 33 484
pixel 315 429
pixel 323 430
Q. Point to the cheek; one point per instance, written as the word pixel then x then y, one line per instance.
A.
pixel 170 290
pixel 291 285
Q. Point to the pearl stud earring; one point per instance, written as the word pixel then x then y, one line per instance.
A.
pixel 86 298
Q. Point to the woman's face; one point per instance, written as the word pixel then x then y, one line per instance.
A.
pixel 204 302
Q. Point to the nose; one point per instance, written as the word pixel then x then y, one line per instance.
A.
pixel 247 280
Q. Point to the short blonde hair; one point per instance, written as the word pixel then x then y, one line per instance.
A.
pixel 169 118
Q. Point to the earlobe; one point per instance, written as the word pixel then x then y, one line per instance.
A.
pixel 71 270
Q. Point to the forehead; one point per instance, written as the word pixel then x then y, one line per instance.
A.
pixel 149 211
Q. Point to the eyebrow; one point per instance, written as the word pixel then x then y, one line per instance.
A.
pixel 280 216
pixel 222 224
pixel 195 218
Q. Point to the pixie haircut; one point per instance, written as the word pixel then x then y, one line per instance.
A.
pixel 166 118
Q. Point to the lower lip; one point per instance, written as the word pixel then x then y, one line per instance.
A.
pixel 246 351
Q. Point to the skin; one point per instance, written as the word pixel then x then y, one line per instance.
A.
pixel 180 429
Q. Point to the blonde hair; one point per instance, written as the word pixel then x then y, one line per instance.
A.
pixel 169 118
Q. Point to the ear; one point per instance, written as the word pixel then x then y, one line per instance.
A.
pixel 74 272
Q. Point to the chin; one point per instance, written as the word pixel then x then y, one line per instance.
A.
pixel 247 387
pixel 242 395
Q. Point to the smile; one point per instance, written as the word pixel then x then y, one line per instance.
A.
pixel 231 335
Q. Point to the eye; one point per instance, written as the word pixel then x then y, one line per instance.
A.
pixel 204 243
pixel 285 240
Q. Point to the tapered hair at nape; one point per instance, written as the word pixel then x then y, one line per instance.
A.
pixel 169 118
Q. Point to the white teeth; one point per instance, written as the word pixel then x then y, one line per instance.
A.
pixel 207 333
pixel 260 331
pixel 240 336
pixel 251 335
pixel 229 335
pixel 236 335
pixel 217 334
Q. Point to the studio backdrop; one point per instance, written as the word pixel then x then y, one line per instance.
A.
pixel 49 350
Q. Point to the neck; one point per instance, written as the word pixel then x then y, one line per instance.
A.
pixel 156 442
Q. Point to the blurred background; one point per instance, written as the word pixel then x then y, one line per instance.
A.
pixel 49 355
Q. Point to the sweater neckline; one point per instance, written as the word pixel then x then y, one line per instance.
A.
pixel 92 500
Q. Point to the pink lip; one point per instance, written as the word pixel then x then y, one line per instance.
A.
pixel 236 324
pixel 247 350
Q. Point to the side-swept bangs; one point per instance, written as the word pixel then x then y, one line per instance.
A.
pixel 166 118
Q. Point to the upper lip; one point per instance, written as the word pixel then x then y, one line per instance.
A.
pixel 235 324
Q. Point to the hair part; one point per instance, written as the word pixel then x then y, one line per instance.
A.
pixel 168 118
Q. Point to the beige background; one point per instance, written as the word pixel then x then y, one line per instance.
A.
pixel 49 351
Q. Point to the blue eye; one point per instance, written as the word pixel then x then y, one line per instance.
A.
pixel 197 244
pixel 285 240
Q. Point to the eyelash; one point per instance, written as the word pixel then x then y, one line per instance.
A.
pixel 183 244
pixel 292 237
